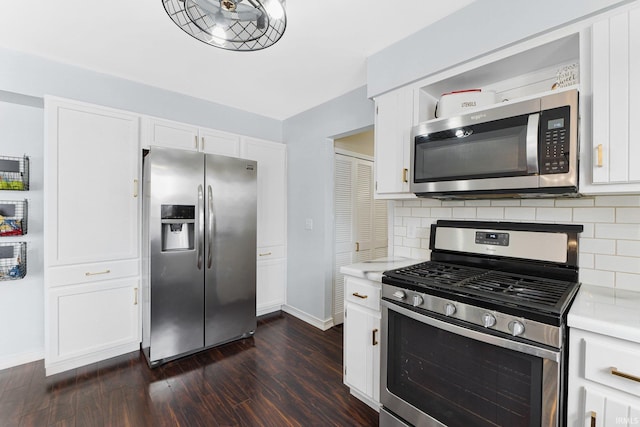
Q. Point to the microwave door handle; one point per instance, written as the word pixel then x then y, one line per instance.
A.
pixel 532 143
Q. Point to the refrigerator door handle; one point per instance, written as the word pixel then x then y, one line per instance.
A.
pixel 200 236
pixel 210 225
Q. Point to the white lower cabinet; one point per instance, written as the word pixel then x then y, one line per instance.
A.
pixel 604 381
pixel 92 321
pixel 361 339
pixel 270 286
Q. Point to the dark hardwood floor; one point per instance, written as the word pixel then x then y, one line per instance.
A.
pixel 288 374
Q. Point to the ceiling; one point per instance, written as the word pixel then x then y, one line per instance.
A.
pixel 322 54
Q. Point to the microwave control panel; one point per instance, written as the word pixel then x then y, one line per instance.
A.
pixel 554 141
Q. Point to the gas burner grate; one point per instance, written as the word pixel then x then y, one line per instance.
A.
pixel 514 289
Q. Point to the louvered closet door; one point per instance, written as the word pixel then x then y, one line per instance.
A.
pixel 360 221
pixel 344 236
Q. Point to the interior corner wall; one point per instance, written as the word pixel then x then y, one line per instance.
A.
pixel 309 138
pixel 35 76
pixel 479 28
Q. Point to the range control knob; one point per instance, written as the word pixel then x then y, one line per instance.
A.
pixel 417 300
pixel 399 294
pixel 449 309
pixel 488 320
pixel 516 328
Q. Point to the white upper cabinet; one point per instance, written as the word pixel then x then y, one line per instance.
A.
pixel 272 188
pixel 92 184
pixel 165 133
pixel 393 123
pixel 612 155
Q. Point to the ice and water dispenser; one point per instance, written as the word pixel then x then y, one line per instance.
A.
pixel 178 227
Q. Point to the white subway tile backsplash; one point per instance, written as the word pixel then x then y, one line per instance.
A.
pixel 575 202
pixel 629 282
pixel 490 213
pixel 537 202
pixel 597 277
pixel 609 245
pixel 594 214
pixel 597 246
pixel 554 214
pixel 618 231
pixel 586 260
pixel 616 201
pixel 628 215
pixel 477 203
pixel 520 214
pixel 618 263
pixel 629 248
pixel 441 212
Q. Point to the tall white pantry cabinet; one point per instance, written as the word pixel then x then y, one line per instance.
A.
pixel 91 233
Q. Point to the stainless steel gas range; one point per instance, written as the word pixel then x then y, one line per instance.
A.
pixel 477 336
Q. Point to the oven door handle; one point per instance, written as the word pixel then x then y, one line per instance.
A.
pixel 475 335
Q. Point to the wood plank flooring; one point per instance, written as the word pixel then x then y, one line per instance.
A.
pixel 288 374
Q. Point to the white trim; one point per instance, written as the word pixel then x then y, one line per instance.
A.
pixel 21 359
pixel 313 321
pixel 76 362
pixel 366 399
pixel 272 308
pixel 348 153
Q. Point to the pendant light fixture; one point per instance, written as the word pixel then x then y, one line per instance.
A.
pixel 242 25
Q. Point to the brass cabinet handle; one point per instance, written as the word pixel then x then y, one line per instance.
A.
pixel 89 273
pixel 599 149
pixel 265 254
pixel 195 140
pixel 593 419
pixel 357 295
pixel 135 188
pixel 405 175
pixel 135 296
pixel 357 246
pixel 614 371
pixel 373 337
pixel 202 144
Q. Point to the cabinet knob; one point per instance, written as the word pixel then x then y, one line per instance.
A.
pixel 593 419
pixel 405 175
pixel 373 337
pixel 614 371
pixel 599 150
pixel 357 295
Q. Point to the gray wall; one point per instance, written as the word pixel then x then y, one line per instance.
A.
pixel 481 27
pixel 35 76
pixel 309 137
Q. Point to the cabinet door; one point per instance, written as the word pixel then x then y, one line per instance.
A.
pixel 608 410
pixel 616 104
pixel 92 184
pixel 270 286
pixel 393 122
pixel 171 135
pixel 362 350
pixel 91 322
pixel 217 142
pixel 272 189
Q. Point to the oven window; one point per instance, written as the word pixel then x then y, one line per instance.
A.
pixel 460 381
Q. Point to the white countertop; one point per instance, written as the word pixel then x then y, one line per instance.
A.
pixel 607 311
pixel 372 270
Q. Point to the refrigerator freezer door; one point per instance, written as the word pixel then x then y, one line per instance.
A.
pixel 230 275
pixel 175 320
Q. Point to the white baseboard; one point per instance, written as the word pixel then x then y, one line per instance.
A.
pixel 20 359
pixel 52 368
pixel 312 320
pixel 366 399
pixel 268 309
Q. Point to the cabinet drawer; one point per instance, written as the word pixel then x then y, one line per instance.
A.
pixel 270 252
pixel 362 292
pixel 613 363
pixel 88 273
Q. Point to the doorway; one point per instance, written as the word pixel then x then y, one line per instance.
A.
pixel 360 221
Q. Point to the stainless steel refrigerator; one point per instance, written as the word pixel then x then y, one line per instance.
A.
pixel 199 252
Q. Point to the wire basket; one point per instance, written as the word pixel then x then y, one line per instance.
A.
pixel 13 217
pixel 14 173
pixel 13 260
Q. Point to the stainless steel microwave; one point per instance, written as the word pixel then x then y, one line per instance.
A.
pixel 515 149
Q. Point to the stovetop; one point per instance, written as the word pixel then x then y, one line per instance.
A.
pixel 514 289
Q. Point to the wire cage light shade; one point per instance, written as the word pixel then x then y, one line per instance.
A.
pixel 241 25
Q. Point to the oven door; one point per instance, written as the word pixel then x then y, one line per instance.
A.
pixel 436 373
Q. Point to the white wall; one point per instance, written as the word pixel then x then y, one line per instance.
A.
pixel 22 301
pixel 609 246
